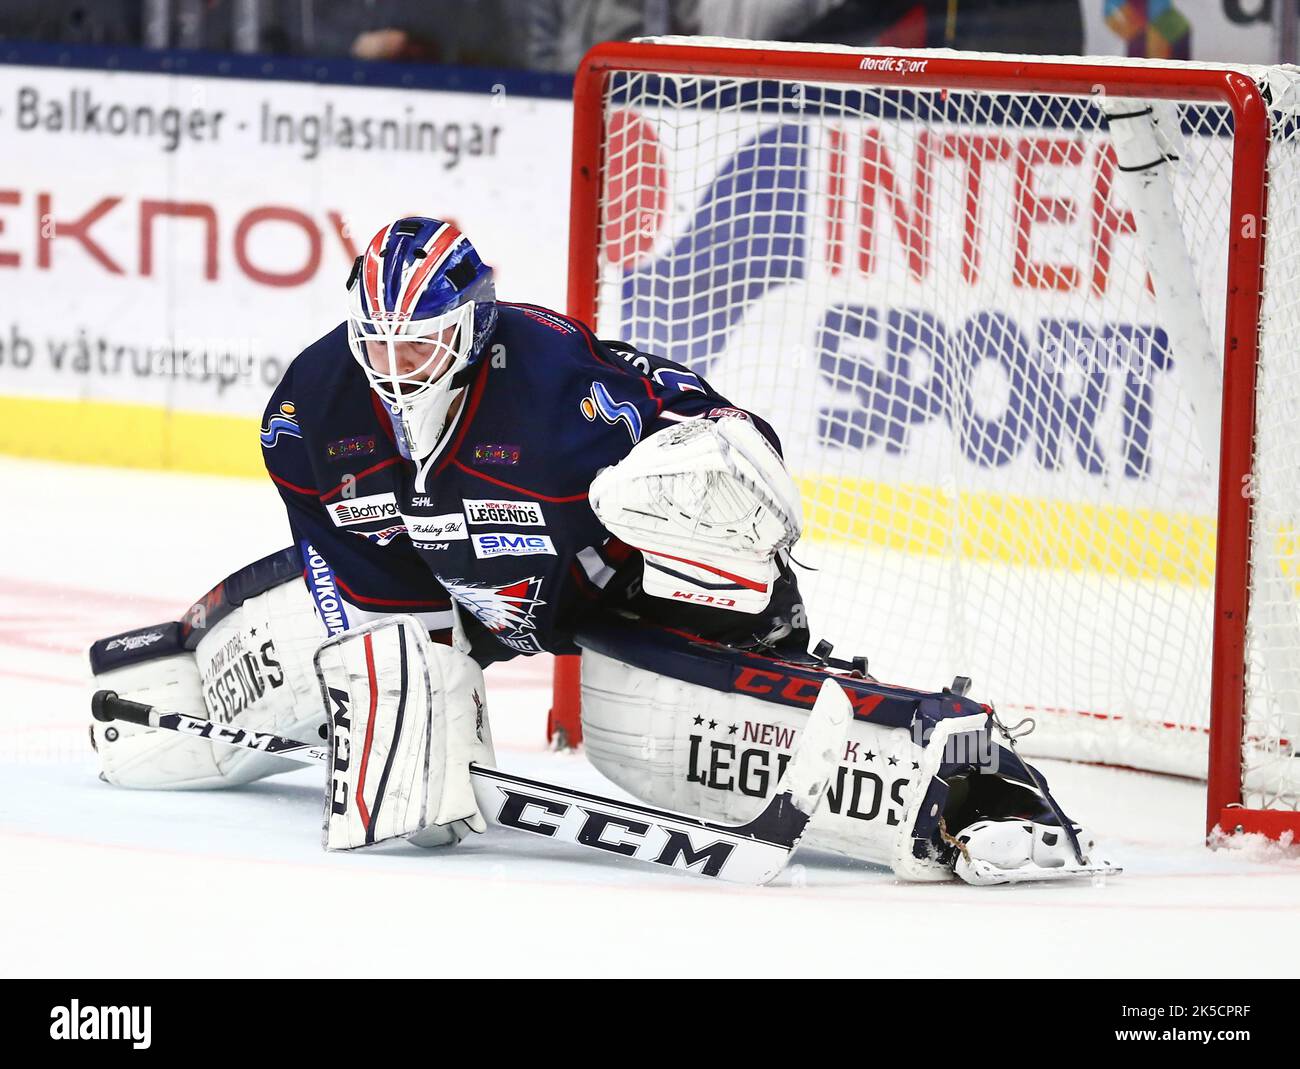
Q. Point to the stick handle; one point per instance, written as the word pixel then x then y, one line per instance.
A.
pixel 106 706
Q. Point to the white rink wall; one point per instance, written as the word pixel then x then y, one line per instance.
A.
pixel 169 242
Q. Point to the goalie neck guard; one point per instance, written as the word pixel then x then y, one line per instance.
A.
pixel 421 308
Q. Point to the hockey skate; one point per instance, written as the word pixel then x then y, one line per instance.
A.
pixel 1021 851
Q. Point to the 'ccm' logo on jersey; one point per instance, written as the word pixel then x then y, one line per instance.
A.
pixel 522 513
pixel 436 528
pixel 356 510
pixel 503 543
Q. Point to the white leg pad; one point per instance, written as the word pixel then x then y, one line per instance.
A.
pixel 718 755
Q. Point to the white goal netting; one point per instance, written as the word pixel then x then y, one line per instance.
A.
pixel 983 369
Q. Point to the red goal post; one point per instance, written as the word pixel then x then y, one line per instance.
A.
pixel 649 206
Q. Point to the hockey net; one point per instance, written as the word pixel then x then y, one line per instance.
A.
pixel 986 303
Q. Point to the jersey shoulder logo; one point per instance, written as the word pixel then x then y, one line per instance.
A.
pixel 599 403
pixel 283 424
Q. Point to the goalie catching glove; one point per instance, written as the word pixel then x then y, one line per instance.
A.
pixel 709 504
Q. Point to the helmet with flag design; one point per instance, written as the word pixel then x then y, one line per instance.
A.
pixel 421 308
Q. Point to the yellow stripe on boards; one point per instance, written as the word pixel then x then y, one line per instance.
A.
pixel 1142 544
pixel 1034 532
pixel 130 436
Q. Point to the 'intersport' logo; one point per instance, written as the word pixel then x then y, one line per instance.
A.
pixel 684 305
pixel 76 1021
pixel 1010 376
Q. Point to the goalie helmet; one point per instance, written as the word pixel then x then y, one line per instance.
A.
pixel 421 308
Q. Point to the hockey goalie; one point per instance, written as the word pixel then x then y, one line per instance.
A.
pixel 517 486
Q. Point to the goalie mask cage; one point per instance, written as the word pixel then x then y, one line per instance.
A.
pixel 1028 329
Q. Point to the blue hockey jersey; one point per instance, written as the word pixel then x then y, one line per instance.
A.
pixel 497 519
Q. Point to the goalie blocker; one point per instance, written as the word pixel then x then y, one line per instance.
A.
pixel 240 656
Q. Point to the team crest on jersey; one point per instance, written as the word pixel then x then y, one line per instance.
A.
pixel 282 425
pixel 600 403
pixel 508 611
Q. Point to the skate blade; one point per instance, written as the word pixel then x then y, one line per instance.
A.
pixel 984 874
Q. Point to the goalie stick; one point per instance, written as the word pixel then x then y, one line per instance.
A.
pixel 751 853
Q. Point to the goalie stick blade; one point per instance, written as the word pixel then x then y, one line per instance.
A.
pixel 751 853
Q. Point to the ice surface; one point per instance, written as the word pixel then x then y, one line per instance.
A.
pixel 98 881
